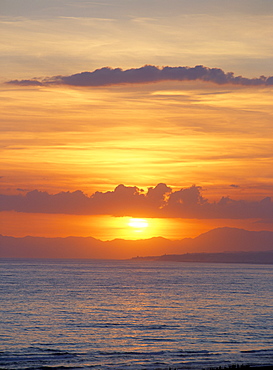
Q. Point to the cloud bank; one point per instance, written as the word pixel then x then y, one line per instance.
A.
pixel 147 74
pixel 159 201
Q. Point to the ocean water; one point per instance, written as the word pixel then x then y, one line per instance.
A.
pixel 86 314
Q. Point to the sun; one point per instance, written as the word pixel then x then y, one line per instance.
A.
pixel 138 224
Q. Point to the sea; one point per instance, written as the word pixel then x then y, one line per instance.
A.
pixel 108 314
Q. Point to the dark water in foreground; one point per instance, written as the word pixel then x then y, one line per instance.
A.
pixel 134 315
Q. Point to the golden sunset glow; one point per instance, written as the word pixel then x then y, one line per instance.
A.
pixel 135 121
pixel 169 138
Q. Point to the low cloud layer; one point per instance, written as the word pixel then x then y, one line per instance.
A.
pixel 158 201
pixel 147 74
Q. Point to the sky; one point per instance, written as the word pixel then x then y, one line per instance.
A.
pixel 133 119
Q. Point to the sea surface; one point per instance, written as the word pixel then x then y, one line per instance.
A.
pixel 87 314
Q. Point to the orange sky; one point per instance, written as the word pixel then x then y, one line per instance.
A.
pixel 59 137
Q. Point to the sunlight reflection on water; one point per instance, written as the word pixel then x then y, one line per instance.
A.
pixel 112 314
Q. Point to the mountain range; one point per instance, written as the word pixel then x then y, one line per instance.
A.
pixel 219 240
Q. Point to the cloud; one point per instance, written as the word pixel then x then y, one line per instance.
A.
pixel 158 201
pixel 26 82
pixel 107 76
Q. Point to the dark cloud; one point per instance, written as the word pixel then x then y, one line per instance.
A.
pixel 147 74
pixel 157 196
pixel 158 201
pixel 26 82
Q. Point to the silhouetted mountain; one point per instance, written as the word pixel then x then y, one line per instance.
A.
pixel 264 257
pixel 233 239
pixel 40 247
pixel 215 241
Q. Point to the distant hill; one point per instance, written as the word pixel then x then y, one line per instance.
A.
pixel 264 257
pixel 215 241
pixel 232 239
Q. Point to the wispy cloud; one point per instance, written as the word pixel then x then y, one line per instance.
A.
pixel 158 201
pixel 107 76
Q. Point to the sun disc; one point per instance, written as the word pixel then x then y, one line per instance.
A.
pixel 138 223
